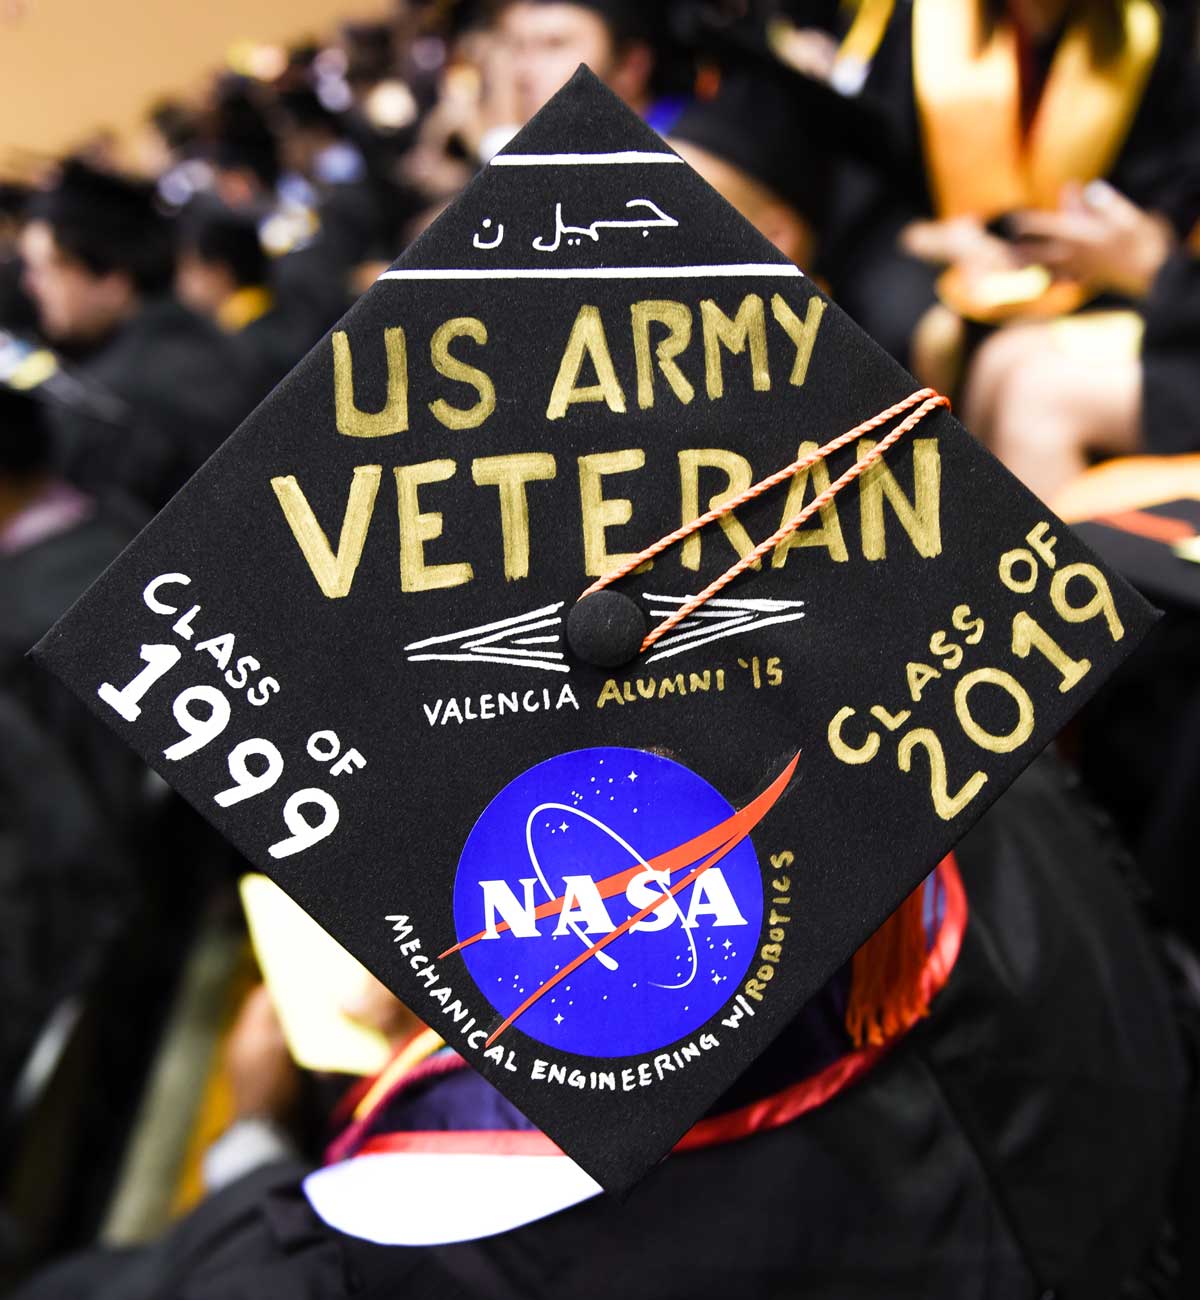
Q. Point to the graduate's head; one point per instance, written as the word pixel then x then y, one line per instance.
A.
pixel 548 39
pixel 769 212
pixel 305 128
pixel 242 146
pixel 768 139
pixel 95 246
pixel 219 253
pixel 170 134
pixel 743 143
pixel 14 199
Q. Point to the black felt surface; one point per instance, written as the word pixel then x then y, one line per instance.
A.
pixel 860 835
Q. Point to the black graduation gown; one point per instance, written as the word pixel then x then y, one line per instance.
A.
pixel 269 347
pixel 351 222
pixel 180 394
pixel 65 886
pixel 37 586
pixel 886 290
pixel 68 795
pixel 313 289
pixel 1017 1144
pixel 1171 359
pixel 313 282
pixel 17 313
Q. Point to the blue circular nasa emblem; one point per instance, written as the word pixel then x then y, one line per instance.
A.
pixel 598 903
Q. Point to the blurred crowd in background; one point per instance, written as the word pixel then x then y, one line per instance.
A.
pixel 153 291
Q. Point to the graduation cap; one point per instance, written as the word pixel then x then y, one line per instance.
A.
pixel 607 847
pixel 1142 515
pixel 109 221
pixel 239 135
pixel 811 125
pixel 219 234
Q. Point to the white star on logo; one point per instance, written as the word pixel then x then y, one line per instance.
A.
pixel 727 944
pixel 558 1019
pixel 563 827
pixel 633 776
pixel 716 978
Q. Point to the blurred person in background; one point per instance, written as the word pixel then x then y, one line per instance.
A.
pixel 240 144
pixel 99 262
pixel 783 192
pixel 70 792
pixel 55 539
pixel 314 232
pixel 548 39
pixel 380 113
pixel 170 137
pixel 168 149
pixel 16 311
pixel 502 67
pixel 1056 95
pixel 325 172
pixel 224 274
pixel 1048 398
pixel 471 117
pixel 315 149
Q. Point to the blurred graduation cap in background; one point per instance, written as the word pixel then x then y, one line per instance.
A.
pixel 785 129
pixel 1142 514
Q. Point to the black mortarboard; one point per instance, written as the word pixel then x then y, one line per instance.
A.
pixel 302 108
pixel 14 199
pixel 220 234
pixel 1156 547
pixel 369 48
pixel 108 199
pixel 109 221
pixel 239 134
pixel 353 639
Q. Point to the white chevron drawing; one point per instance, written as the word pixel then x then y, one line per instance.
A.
pixel 715 619
pixel 507 641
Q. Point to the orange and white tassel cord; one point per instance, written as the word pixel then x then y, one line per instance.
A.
pixel 924 400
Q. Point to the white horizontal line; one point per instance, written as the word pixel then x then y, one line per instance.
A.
pixel 582 159
pixel 595 272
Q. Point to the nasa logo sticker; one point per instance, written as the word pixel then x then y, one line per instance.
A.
pixel 606 902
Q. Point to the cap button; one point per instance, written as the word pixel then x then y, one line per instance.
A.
pixel 606 629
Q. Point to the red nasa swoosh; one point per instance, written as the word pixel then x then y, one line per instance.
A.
pixel 727 835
